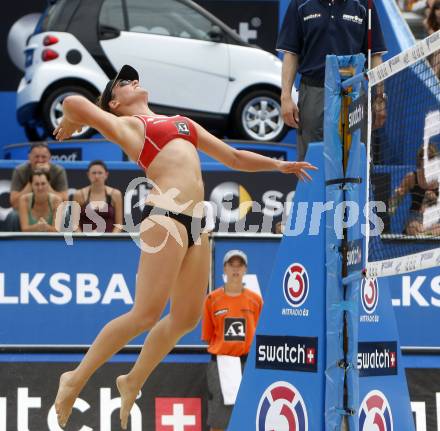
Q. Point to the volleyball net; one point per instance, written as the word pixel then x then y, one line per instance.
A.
pixel 403 153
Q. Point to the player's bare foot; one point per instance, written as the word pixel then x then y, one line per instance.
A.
pixel 128 394
pixel 66 396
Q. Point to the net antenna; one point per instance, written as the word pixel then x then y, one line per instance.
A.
pixel 369 123
pixel 370 35
pixel 403 232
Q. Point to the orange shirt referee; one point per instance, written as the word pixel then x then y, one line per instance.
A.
pixel 230 319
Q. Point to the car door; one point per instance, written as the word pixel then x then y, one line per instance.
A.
pixel 169 42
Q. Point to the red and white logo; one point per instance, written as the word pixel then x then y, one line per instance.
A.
pixel 310 356
pixel 369 294
pixel 178 414
pixel 296 284
pixel 281 408
pixel 375 413
pixel 393 359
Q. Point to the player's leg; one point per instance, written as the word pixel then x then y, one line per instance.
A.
pixel 156 275
pixel 187 298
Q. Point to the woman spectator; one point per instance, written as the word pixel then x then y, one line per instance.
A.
pixel 37 209
pixel 99 199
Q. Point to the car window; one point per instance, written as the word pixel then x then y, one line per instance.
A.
pixel 111 15
pixel 56 15
pixel 167 17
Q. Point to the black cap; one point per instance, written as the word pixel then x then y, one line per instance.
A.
pixel 126 72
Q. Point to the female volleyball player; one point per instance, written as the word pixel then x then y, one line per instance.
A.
pixel 166 147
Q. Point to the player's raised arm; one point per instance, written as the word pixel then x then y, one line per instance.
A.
pixel 79 111
pixel 248 161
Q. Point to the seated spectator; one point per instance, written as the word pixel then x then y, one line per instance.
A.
pixel 39 159
pixel 423 195
pixel 37 209
pixel 101 205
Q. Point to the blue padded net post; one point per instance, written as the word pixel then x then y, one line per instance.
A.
pixel 343 174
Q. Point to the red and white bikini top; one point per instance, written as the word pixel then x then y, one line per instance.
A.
pixel 161 129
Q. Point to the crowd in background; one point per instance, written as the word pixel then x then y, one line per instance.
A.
pixel 432 24
pixel 429 9
pixel 427 23
pixel 39 188
pixel 414 5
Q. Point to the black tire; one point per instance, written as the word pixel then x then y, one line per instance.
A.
pixel 267 110
pixel 51 108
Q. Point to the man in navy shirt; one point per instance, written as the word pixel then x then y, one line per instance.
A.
pixel 311 30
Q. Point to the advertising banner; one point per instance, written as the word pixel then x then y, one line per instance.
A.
pixel 174 398
pixel 33 271
pixel 383 390
pixel 176 393
pixel 55 294
pixel 416 298
pixel 424 390
pixel 240 201
pixel 283 382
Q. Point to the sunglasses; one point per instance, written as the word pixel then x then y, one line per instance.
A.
pixel 123 82
pixel 120 83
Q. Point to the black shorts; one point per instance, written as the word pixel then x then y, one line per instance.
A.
pixel 218 413
pixel 192 225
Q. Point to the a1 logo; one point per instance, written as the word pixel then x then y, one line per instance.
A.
pixel 235 329
pixel 182 127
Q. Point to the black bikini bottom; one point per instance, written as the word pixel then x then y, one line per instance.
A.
pixel 193 224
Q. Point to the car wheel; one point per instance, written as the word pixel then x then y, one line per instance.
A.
pixel 258 117
pixel 52 109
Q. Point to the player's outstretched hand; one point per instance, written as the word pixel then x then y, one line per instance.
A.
pixel 298 168
pixel 66 129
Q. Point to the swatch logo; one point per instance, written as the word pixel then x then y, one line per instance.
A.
pixel 377 358
pixel 288 353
